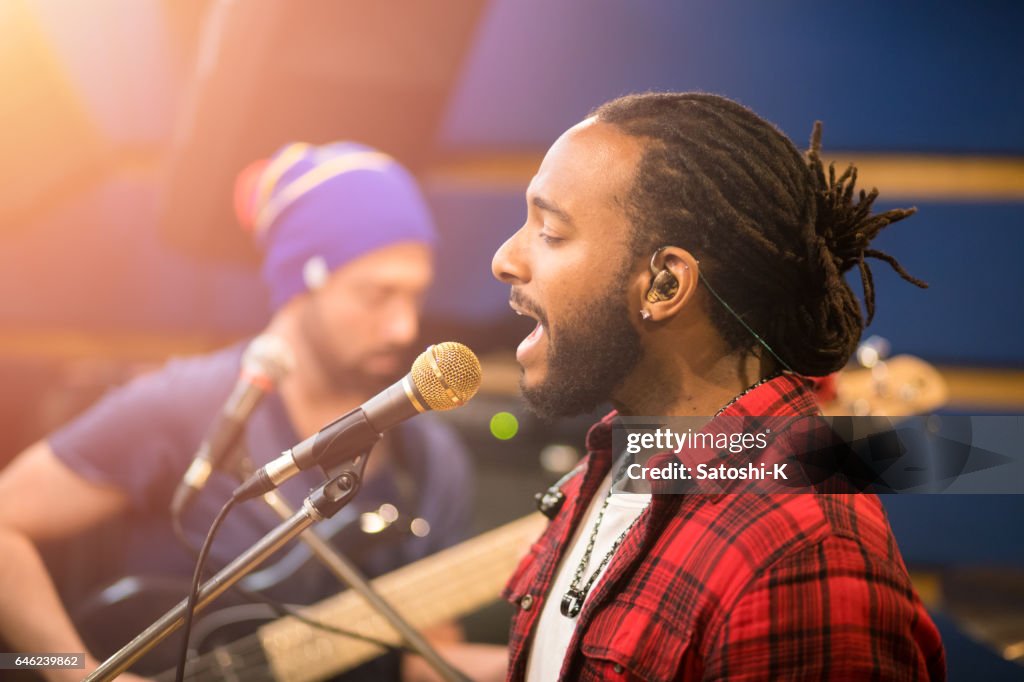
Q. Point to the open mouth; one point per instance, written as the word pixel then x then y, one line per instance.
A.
pixel 528 345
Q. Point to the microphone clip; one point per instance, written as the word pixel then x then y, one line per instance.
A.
pixel 344 481
pixel 349 437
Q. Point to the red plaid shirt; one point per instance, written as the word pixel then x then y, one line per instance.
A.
pixel 735 586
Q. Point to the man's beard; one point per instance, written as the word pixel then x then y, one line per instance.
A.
pixel 588 358
pixel 341 375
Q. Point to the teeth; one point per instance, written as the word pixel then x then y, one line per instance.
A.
pixel 518 313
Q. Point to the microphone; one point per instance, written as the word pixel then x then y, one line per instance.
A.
pixel 264 363
pixel 444 376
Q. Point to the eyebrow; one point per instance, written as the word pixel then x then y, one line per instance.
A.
pixel 553 208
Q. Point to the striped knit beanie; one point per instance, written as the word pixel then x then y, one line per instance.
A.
pixel 312 209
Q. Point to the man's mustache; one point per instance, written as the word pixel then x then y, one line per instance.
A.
pixel 517 298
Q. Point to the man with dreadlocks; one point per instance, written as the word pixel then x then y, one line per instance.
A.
pixel 682 258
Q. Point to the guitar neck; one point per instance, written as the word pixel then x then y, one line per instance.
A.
pixel 439 588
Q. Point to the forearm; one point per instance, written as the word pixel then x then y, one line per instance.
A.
pixel 32 618
pixel 480 662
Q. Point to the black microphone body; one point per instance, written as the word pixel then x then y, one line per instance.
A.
pixel 344 439
pixel 443 377
pixel 265 361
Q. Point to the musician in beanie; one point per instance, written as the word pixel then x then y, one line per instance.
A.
pixel 347 240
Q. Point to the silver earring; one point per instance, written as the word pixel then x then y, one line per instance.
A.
pixel 645 315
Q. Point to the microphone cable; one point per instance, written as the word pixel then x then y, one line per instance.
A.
pixel 193 593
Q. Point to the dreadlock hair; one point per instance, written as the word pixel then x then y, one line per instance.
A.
pixel 772 231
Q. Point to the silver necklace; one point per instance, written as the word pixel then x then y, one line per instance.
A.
pixel 572 600
pixel 745 391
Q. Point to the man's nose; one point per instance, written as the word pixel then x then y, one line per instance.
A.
pixel 402 324
pixel 509 265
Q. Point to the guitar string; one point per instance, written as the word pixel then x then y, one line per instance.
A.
pixel 406 584
pixel 215 671
pixel 242 671
pixel 255 646
pixel 402 579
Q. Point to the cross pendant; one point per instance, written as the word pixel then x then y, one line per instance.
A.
pixel 572 603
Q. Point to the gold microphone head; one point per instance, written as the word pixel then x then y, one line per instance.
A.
pixel 446 375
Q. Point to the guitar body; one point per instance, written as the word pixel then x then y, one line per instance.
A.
pixel 115 615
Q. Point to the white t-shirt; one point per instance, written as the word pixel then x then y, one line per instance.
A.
pixel 554 631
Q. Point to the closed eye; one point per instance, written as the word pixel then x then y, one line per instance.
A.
pixel 550 239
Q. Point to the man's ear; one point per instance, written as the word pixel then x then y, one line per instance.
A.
pixel 673 281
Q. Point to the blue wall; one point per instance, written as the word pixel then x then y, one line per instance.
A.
pixel 939 76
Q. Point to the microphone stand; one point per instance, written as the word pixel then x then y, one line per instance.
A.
pixel 347 572
pixel 323 503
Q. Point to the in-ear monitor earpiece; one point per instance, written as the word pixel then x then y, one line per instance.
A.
pixel 664 284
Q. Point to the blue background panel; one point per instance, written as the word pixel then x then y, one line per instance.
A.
pixel 938 77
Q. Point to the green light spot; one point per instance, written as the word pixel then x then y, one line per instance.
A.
pixel 504 425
